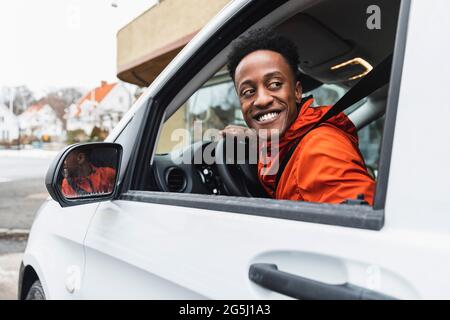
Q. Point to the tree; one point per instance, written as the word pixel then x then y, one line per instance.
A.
pixel 61 99
pixel 23 98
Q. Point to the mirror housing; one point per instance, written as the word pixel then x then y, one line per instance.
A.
pixel 85 173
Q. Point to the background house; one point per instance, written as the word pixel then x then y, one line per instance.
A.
pixel 100 108
pixel 40 121
pixel 9 125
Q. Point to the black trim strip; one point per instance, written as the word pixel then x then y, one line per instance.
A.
pixel 391 107
pixel 135 164
pixel 362 217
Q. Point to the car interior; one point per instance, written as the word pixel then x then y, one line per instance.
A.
pixel 336 48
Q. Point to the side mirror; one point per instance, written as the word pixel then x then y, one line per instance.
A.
pixel 84 173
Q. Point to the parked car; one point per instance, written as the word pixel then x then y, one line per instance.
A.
pixel 168 229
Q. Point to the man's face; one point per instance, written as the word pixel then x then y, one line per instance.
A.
pixel 268 91
pixel 72 163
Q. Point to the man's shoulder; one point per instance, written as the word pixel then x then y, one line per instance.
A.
pixel 105 171
pixel 325 135
pixel 326 142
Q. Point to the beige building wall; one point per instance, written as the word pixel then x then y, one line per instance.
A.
pixel 149 42
pixel 176 121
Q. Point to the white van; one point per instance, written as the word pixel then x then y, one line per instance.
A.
pixel 172 230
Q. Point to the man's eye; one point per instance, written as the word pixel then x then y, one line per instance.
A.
pixel 275 85
pixel 247 92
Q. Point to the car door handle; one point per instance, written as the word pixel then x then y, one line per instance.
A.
pixel 268 276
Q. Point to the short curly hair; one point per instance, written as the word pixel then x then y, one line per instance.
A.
pixel 262 39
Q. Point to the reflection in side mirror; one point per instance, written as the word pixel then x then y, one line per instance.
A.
pixel 85 173
pixel 89 171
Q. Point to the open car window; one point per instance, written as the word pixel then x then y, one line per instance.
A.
pixel 216 105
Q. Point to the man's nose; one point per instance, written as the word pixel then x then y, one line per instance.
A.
pixel 263 98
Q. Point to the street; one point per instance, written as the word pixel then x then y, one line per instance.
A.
pixel 19 201
pixel 10 260
pixel 22 191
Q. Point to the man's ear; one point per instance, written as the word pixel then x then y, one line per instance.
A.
pixel 81 157
pixel 298 92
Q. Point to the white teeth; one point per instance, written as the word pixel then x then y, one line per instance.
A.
pixel 267 116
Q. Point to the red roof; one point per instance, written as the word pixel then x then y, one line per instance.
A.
pixel 34 108
pixel 97 94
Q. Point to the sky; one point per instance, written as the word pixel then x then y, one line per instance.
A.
pixel 57 43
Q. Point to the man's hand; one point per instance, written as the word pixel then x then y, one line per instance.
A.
pixel 241 134
pixel 238 131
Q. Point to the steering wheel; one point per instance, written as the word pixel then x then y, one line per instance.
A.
pixel 238 174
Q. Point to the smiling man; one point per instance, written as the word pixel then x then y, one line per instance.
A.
pixel 323 165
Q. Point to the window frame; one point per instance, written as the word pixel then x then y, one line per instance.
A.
pixel 363 217
pixel 391 106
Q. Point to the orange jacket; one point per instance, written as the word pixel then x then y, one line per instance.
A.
pixel 326 165
pixel 101 180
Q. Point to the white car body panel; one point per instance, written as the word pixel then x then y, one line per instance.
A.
pixel 193 249
pixel 55 247
pixel 196 248
pixel 419 180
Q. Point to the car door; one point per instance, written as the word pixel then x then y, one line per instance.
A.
pixel 55 249
pixel 163 245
